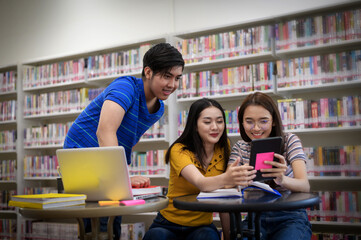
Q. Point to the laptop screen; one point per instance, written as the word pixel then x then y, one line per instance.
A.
pixel 101 173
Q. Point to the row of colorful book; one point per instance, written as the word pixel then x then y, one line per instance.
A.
pixel 148 163
pixel 55 102
pixel 49 230
pixel 8 140
pixel 48 134
pixel 74 70
pixel 333 160
pixel 338 206
pixel 8 81
pixel 233 80
pixel 7 170
pixel 319 69
pixel 320 29
pixel 8 110
pixel 302 71
pixel 5 196
pixel 320 113
pixel 41 166
pixel 157 130
pixel 115 63
pixel 54 73
pixel 226 44
pixel 7 229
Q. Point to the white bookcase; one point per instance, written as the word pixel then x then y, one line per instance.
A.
pixel 8 149
pixel 310 137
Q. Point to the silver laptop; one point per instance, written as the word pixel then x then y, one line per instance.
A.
pixel 101 173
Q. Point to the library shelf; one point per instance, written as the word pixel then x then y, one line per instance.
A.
pixel 224 97
pixel 58 115
pixel 54 87
pixel 8 214
pixel 8 94
pixel 3 152
pixel 326 130
pixel 229 61
pixel 320 87
pixel 44 147
pixel 344 45
pixel 105 80
pixel 335 183
pixel 339 227
pixel 8 123
pixel 7 182
pixel 41 178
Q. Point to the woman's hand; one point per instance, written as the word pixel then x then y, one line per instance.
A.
pixel 139 181
pixel 239 175
pixel 278 172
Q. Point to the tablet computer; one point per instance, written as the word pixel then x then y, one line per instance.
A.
pixel 263 150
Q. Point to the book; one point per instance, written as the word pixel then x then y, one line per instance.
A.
pixel 234 193
pixel 148 192
pixel 221 193
pixel 47 200
pixel 262 186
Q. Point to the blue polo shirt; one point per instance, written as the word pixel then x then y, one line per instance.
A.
pixel 128 92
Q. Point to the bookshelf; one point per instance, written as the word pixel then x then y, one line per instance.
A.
pixel 8 146
pixel 207 53
pixel 55 91
pixel 258 50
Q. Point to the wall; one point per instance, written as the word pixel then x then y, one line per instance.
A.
pixel 36 29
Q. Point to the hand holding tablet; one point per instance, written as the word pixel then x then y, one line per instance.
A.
pixel 264 150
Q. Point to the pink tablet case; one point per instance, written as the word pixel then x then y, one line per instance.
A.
pixel 261 157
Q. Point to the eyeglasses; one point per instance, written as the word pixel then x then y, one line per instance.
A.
pixel 263 124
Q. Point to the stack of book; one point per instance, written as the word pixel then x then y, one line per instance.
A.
pixel 47 200
pixel 148 192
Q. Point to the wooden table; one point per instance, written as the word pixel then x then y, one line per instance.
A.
pixel 94 211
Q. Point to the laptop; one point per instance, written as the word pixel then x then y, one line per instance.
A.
pixel 100 172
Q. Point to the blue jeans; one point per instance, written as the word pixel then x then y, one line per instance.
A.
pixel 103 225
pixel 162 229
pixel 285 225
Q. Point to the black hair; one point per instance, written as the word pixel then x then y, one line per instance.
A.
pixel 190 137
pixel 161 58
pixel 261 99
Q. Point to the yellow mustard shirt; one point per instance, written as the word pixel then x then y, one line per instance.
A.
pixel 179 186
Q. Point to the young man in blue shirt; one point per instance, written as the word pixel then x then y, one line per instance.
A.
pixel 128 107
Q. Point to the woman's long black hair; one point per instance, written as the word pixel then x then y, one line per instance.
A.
pixel 190 137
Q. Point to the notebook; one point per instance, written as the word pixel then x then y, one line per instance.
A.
pixel 101 172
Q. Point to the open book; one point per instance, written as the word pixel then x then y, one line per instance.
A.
pixel 262 186
pixel 221 193
pixel 234 193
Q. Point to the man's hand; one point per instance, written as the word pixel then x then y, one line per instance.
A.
pixel 139 181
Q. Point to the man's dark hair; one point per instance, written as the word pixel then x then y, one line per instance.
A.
pixel 161 58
